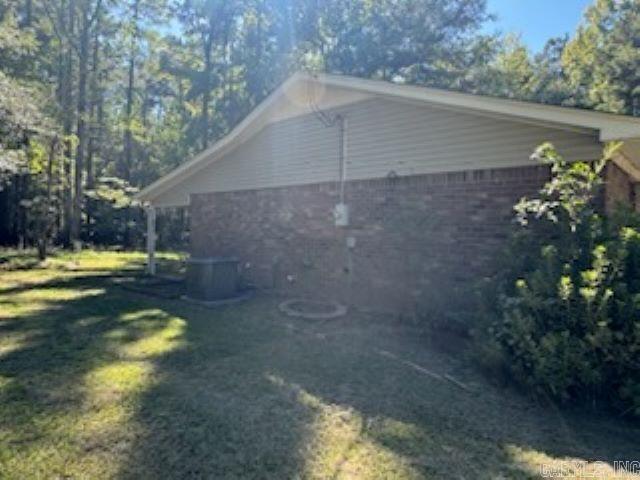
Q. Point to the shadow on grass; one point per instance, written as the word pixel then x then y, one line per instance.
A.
pixel 251 398
pixel 194 418
pixel 240 392
pixel 56 376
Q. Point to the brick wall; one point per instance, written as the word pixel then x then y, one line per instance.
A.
pixel 619 188
pixel 415 237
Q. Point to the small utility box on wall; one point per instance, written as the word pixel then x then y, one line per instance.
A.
pixel 212 278
pixel 341 215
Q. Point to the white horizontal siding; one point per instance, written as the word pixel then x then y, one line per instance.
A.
pixel 408 139
pixel 383 136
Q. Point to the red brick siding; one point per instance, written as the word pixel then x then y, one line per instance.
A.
pixel 415 236
pixel 619 188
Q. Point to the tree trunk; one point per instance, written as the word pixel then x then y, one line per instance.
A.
pixel 60 100
pixel 128 134
pixel 81 132
pixel 206 96
pixel 92 147
pixel 66 88
pixel 45 233
pixel 20 211
pixel 131 78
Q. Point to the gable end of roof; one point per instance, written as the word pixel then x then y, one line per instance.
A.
pixel 609 126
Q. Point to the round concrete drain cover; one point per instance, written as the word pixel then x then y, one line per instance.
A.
pixel 312 310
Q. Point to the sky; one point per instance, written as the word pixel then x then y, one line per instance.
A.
pixel 536 20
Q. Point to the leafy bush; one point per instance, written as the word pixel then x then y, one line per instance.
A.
pixel 565 308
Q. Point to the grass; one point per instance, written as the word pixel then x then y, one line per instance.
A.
pixel 89 260
pixel 101 382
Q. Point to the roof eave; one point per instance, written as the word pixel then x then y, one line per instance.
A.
pixel 609 126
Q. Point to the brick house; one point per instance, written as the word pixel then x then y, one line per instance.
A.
pixel 378 194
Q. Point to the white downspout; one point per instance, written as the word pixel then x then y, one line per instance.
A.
pixel 343 155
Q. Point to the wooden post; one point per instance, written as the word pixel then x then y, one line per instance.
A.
pixel 151 240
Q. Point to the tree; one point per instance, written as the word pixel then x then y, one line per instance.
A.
pixel 41 204
pixel 20 120
pixel 512 72
pixel 415 40
pixel 550 83
pixel 88 15
pixel 28 144
pixel 602 60
pixel 20 116
pixel 209 23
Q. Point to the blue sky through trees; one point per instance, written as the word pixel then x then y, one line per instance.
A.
pixel 536 20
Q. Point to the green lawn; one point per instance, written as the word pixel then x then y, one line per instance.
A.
pixel 100 382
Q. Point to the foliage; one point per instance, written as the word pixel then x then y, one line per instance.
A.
pixel 114 191
pixel 28 141
pixel 601 61
pixel 440 33
pixel 133 88
pixel 20 120
pixel 21 115
pixel 18 44
pixel 113 212
pixel 567 302
pixel 40 202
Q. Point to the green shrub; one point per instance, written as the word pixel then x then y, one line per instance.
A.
pixel 564 311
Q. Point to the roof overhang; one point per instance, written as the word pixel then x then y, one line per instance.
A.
pixel 609 126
